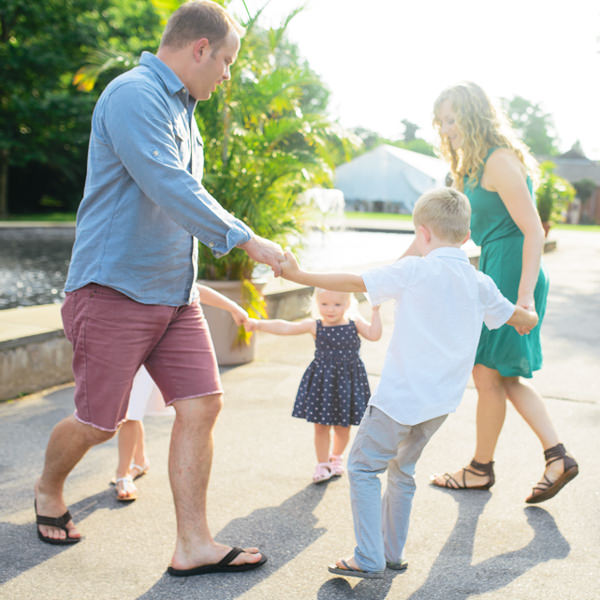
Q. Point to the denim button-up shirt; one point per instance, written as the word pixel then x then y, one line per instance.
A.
pixel 144 205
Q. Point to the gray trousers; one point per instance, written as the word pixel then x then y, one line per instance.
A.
pixel 382 443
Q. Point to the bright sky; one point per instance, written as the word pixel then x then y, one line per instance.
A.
pixel 387 60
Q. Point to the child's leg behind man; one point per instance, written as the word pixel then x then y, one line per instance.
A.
pixel 383 443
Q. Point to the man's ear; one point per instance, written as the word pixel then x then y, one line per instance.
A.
pixel 200 47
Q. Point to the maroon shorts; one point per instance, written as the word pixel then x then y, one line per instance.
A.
pixel 112 335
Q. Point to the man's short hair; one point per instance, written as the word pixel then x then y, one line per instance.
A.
pixel 199 19
pixel 446 212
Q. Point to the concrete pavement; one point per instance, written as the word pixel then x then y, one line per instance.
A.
pixel 461 545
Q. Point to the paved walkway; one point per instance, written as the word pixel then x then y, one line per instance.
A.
pixel 461 545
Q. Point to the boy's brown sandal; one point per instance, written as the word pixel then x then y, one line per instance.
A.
pixel 546 489
pixel 482 469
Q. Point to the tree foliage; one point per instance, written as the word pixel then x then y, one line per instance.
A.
pixel 535 127
pixel 44 120
pixel 584 188
pixel 553 194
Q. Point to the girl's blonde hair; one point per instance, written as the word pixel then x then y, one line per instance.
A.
pixel 483 126
pixel 351 311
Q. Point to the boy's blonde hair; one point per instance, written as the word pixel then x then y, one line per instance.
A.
pixel 199 19
pixel 446 212
pixel 483 126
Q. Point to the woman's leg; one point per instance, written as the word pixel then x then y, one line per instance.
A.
pixel 531 407
pixel 491 410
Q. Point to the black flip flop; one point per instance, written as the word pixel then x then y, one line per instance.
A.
pixel 349 571
pixel 222 566
pixel 60 522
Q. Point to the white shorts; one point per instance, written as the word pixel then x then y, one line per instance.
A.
pixel 145 398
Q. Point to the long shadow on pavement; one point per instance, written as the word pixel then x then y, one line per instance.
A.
pixel 367 589
pixel 281 532
pixel 21 550
pixel 453 575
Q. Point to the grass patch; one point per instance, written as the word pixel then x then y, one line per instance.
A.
pixel 377 216
pixel 54 217
pixel 568 227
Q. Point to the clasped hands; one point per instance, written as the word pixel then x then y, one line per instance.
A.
pixel 269 253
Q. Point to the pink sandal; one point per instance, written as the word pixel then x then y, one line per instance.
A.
pixel 322 473
pixel 336 464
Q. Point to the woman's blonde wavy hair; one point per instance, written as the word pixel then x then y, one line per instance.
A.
pixel 483 126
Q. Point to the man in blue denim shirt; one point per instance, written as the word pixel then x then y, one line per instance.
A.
pixel 131 295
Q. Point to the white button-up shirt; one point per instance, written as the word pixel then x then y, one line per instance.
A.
pixel 442 302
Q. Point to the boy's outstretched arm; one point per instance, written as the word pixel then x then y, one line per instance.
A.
pixel 336 282
pixel 523 320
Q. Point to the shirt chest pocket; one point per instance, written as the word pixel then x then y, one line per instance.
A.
pixel 184 147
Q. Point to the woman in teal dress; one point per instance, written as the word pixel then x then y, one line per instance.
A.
pixel 494 170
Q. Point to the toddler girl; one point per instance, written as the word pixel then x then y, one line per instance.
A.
pixel 334 390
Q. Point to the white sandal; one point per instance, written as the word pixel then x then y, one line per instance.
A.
pixel 125 485
pixel 336 464
pixel 322 473
pixel 136 471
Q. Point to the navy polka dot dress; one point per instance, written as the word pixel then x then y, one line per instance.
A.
pixel 334 389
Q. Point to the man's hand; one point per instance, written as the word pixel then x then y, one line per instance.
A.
pixel 264 251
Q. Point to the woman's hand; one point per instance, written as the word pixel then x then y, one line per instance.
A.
pixel 238 314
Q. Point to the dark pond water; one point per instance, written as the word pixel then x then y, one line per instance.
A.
pixel 33 265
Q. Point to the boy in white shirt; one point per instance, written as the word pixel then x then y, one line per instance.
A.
pixel 441 303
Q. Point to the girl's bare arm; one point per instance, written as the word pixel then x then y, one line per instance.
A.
pixel 282 327
pixel 370 331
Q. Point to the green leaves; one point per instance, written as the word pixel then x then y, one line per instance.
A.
pixel 266 139
pixel 553 194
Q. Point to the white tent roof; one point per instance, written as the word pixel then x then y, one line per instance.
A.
pixel 390 174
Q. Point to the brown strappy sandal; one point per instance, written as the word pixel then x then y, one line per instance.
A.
pixel 546 489
pixel 481 470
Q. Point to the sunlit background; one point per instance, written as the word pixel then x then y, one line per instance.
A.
pixel 386 60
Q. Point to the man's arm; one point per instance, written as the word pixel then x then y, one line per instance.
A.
pixel 337 282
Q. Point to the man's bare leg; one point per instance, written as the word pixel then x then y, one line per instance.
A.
pixel 68 442
pixel 190 459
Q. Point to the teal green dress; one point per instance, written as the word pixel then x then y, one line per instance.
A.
pixel 501 243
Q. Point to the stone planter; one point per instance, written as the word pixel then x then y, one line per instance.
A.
pixel 222 328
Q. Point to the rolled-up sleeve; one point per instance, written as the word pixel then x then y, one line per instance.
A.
pixel 139 127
